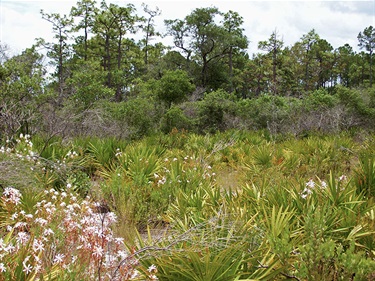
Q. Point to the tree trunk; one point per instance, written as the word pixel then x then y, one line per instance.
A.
pixel 231 70
pixel 370 69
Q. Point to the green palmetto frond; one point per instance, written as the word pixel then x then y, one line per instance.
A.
pixel 268 268
pixel 365 175
pixel 278 221
pixel 141 162
pixel 203 265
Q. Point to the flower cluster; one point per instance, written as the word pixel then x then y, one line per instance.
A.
pixel 11 195
pixel 21 147
pixel 62 235
pixel 71 154
pixel 182 171
pixel 310 186
pixel 207 173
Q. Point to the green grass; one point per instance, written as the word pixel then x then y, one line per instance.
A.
pixel 235 205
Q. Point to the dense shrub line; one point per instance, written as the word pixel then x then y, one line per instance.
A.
pixel 319 111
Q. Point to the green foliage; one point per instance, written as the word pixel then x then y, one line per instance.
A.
pixel 140 163
pixel 354 101
pixel 202 265
pixel 213 109
pixel 211 250
pixel 102 151
pixel 365 175
pixel 266 110
pixel 87 84
pixel 21 87
pixel 234 205
pixel 134 118
pixel 132 179
pixel 175 118
pixel 366 41
pixel 208 36
pixel 284 215
pixel 319 100
pixel 173 87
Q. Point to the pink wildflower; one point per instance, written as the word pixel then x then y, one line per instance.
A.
pixel 59 258
pixel 12 195
pixel 98 252
pixel 22 238
pixel 38 245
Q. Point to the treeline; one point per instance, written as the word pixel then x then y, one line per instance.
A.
pixel 104 81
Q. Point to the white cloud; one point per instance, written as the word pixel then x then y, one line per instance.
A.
pixel 21 21
pixel 338 22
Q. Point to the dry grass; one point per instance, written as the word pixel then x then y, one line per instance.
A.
pixel 17 173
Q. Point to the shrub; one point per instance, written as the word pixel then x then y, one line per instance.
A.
pixel 212 110
pixel 175 118
pixel 353 100
pixel 135 118
pixel 173 87
pixel 320 100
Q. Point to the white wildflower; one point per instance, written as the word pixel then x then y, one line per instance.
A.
pixel 323 184
pixel 2 267
pixel 48 231
pixel 27 268
pixel 98 252
pixel 310 184
pixel 12 195
pixel 152 268
pixel 38 245
pixel 22 238
pixel 59 258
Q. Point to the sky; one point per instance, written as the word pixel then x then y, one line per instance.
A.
pixel 338 22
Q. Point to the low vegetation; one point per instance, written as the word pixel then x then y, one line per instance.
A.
pixel 229 206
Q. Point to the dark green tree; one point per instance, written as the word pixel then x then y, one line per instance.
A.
pixel 359 69
pixel 304 56
pixel 87 84
pixel 255 76
pixel 21 88
pixel 237 41
pixel 112 26
pixel 104 30
pixel 174 87
pixel 206 37
pixel 325 62
pixel 367 41
pixel 273 47
pixel 344 55
pixel 84 10
pixel 60 51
